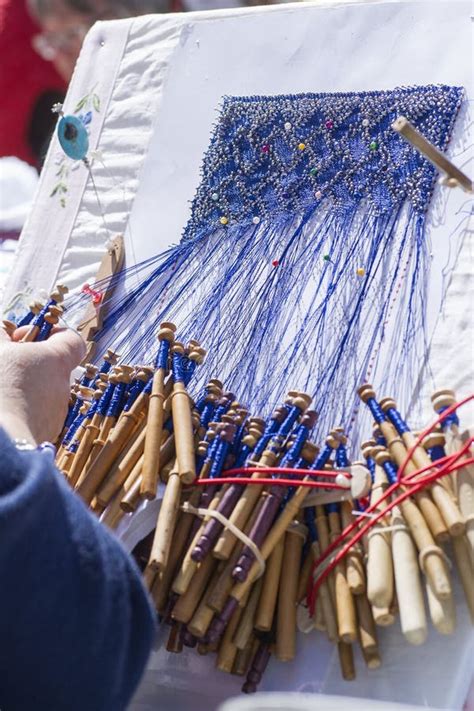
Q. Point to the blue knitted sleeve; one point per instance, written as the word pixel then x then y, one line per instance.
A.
pixel 76 626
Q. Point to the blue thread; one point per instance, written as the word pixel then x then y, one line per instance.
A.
pixel 116 402
pixel 207 414
pixel 309 519
pixel 371 467
pixel 342 460
pixel 377 412
pixel 322 458
pixel 436 452
pixel 391 472
pixel 178 368
pixel 104 401
pixel 332 508
pixel 449 420
pixel 397 420
pixel 161 360
pixel 26 320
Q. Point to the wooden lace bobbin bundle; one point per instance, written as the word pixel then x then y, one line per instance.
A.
pixel 56 298
pixel 432 555
pixel 127 423
pixel 101 421
pixel 212 530
pixel 272 497
pixel 155 421
pixel 448 508
pixel 251 494
pixel 406 571
pixel 398 453
pixel 410 595
pixel 464 481
pixel 190 563
pixel 434 444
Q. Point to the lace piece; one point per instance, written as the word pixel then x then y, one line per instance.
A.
pixel 282 155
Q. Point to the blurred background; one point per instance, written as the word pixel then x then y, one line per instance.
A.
pixel 40 41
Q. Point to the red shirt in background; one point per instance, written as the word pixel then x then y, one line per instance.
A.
pixel 28 86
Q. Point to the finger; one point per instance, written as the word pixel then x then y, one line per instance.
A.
pixel 67 345
pixel 18 334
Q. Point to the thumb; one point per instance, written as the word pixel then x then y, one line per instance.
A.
pixel 67 345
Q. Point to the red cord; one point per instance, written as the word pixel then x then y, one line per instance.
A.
pixel 448 465
pixel 263 482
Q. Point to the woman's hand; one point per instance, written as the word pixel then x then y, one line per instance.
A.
pixel 34 383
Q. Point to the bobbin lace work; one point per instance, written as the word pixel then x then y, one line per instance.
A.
pixel 288 154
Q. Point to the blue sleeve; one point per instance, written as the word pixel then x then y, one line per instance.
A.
pixel 76 625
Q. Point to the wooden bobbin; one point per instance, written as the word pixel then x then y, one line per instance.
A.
pixel 187 603
pixel 465 569
pixel 285 648
pixel 268 598
pixel 123 466
pixel 354 560
pixel 227 648
pixel 244 657
pixel 163 581
pixel 379 557
pixel 345 608
pixel 246 625
pixel 367 632
pixel 442 611
pixel 327 591
pixel 165 526
pixel 346 661
pixel 251 494
pixel 408 582
pixel 151 461
pixel 203 615
pixel 183 428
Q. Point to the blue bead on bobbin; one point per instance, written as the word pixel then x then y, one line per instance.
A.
pixel 73 137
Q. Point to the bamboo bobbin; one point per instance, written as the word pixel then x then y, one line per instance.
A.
pixel 123 466
pixel 383 616
pixel 151 462
pixel 203 615
pixel 285 649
